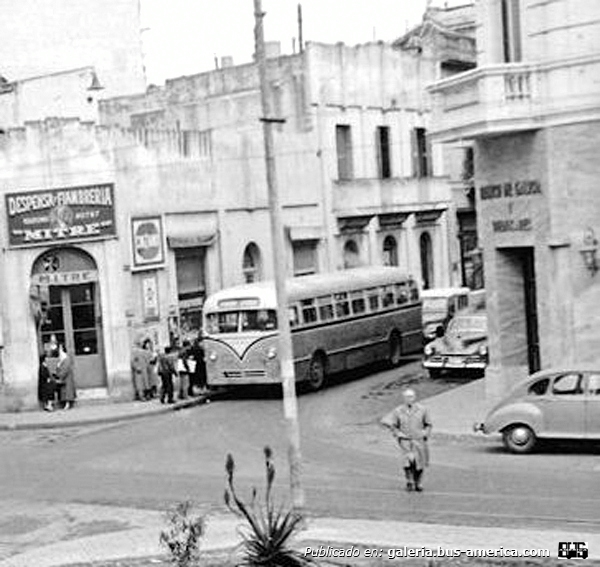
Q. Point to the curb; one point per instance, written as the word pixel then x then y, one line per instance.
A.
pixel 101 420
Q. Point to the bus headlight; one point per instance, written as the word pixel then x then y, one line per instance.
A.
pixel 212 356
pixel 272 353
pixel 483 350
pixel 429 350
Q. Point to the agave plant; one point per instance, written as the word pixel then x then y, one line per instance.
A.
pixel 266 541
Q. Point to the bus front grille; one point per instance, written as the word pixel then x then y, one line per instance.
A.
pixel 239 374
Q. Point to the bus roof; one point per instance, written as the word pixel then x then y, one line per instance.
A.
pixel 444 292
pixel 312 286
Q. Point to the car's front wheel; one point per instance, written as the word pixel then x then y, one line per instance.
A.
pixel 519 438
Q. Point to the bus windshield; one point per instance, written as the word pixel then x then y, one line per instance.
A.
pixel 241 321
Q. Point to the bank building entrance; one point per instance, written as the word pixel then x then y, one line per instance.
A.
pixel 67 281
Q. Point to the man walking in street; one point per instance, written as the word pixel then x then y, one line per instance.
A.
pixel 411 426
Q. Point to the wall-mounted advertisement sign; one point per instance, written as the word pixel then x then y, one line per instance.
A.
pixel 147 242
pixel 150 297
pixel 61 215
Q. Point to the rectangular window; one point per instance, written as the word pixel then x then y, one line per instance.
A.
pixel 342 306
pixel 511 30
pixel 325 307
pixel 373 295
pixel 358 302
pixel 384 163
pixel 309 311
pixel 421 153
pixel 343 144
pixel 402 294
pixel 189 267
pixel 388 296
pixel 305 257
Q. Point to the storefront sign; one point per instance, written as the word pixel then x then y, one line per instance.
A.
pixel 509 190
pixel 150 297
pixel 64 278
pixel 147 242
pixel 59 215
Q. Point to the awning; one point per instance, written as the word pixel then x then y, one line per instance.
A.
pixel 297 233
pixel 190 239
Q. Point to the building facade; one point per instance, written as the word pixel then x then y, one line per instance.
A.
pixel 119 229
pixel 532 111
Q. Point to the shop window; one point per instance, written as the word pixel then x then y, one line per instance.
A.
pixel 384 163
pixel 343 143
pixel 390 251
pixel 421 150
pixel 388 297
pixel 305 257
pixel 251 263
pixel 351 254
pixel 426 253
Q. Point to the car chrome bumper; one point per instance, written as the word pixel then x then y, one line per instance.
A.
pixel 454 365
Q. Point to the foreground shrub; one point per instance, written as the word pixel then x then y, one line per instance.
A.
pixel 183 534
pixel 266 541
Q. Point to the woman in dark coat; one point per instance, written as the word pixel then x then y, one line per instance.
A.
pixel 65 378
pixel 45 385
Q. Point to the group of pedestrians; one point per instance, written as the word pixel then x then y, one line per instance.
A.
pixel 56 386
pixel 159 374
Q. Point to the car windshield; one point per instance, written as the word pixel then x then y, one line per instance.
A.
pixel 467 325
pixel 241 321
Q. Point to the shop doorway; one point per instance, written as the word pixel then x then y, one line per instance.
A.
pixel 68 282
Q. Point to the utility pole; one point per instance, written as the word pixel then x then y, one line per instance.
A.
pixel 300 29
pixel 285 353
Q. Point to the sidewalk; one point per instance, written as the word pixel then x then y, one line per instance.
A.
pixel 92 414
pixel 138 536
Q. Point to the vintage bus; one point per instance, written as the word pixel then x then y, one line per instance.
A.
pixel 339 321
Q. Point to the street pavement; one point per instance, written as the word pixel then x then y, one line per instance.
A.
pixel 97 491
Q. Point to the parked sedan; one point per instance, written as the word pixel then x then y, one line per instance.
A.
pixel 553 404
pixel 462 347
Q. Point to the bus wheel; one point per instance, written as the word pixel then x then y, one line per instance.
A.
pixel 395 346
pixel 317 372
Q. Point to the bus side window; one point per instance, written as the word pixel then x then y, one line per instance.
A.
pixel 358 302
pixel 401 294
pixel 293 315
pixel 373 295
pixel 325 307
pixel 414 292
pixel 388 296
pixel 342 307
pixel 309 311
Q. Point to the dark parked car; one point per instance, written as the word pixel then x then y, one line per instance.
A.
pixel 461 348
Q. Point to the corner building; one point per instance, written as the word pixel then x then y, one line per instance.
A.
pixel 532 111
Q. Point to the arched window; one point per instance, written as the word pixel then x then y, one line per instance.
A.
pixel 351 255
pixel 390 251
pixel 251 263
pixel 426 260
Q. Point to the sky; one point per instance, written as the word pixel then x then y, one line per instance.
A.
pixel 183 37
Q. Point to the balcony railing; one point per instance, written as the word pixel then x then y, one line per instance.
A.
pixel 515 96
